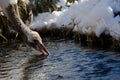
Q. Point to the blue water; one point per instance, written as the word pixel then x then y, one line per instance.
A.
pixel 67 61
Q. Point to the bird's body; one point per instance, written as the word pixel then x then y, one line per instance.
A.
pixel 32 38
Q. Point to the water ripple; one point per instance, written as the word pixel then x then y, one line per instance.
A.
pixel 67 61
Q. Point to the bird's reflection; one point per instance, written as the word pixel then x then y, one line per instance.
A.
pixel 35 62
pixel 17 65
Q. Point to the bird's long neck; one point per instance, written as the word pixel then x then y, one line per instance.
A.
pixel 14 17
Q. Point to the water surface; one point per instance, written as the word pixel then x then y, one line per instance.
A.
pixel 67 61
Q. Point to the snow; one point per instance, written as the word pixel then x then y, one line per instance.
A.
pixel 61 3
pixel 85 16
pixel 6 3
pixel 115 4
pixel 12 1
pixel 27 1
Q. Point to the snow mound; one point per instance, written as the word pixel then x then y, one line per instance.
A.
pixel 85 16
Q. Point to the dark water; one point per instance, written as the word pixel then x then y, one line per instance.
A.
pixel 67 61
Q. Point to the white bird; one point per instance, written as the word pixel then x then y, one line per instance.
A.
pixel 32 38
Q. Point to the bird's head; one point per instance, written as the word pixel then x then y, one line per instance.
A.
pixel 35 41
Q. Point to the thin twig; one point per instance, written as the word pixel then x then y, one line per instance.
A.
pixel 4 37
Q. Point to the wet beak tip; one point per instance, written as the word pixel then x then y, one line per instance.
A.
pixel 44 52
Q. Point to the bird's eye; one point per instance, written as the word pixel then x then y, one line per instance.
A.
pixel 35 41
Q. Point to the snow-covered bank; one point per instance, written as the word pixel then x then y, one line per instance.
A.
pixel 84 16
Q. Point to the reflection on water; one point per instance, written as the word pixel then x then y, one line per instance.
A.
pixel 67 61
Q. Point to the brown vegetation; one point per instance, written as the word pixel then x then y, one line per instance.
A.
pixel 103 42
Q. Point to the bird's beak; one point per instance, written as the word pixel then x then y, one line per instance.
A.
pixel 42 49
